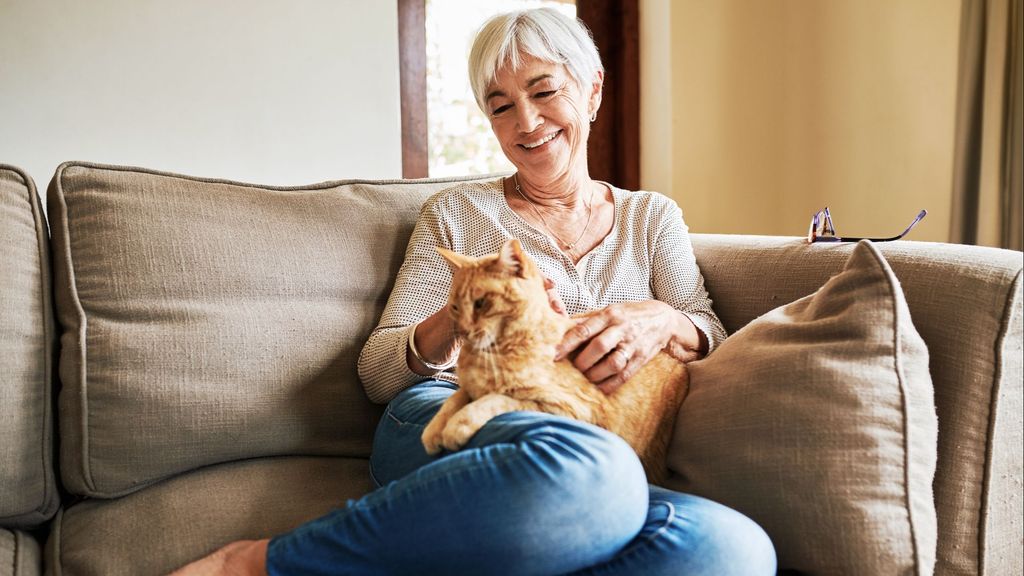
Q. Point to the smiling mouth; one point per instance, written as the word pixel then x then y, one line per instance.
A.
pixel 542 141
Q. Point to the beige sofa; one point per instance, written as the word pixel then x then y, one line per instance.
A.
pixel 177 362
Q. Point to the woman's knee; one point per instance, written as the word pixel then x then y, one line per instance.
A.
pixel 719 539
pixel 576 462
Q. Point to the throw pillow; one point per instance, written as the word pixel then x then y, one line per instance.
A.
pixel 817 420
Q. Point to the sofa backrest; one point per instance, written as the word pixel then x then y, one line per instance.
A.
pixel 206 321
pixel 965 302
pixel 28 488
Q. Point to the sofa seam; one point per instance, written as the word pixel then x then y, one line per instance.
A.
pixel 325 185
pixel 995 389
pixel 83 321
pixel 49 331
pixel 891 284
pixel 17 549
pixel 56 564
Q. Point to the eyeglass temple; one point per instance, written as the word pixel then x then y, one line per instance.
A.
pixel 920 215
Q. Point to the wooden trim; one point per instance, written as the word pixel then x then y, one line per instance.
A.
pixel 614 148
pixel 412 70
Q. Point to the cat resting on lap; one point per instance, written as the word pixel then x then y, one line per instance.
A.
pixel 509 332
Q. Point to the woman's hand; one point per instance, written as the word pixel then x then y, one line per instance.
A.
pixel 553 298
pixel 616 342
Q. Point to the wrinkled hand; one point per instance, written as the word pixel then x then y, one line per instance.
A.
pixel 616 342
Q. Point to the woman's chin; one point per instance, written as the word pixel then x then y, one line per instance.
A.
pixel 541 167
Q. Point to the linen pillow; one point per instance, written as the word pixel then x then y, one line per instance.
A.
pixel 207 321
pixel 817 420
pixel 28 485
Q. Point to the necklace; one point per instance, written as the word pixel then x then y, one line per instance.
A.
pixel 569 246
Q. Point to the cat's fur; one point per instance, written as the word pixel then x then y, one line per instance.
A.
pixel 501 310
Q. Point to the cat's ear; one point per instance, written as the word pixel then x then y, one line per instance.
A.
pixel 512 259
pixel 457 261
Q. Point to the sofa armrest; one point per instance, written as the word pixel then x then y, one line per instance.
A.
pixel 966 304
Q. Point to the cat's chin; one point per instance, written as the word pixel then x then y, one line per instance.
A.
pixel 482 345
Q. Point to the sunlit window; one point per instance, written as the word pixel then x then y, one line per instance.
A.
pixel 459 135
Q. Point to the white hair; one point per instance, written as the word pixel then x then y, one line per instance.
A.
pixel 545 34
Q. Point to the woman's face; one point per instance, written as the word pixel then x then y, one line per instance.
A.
pixel 541 118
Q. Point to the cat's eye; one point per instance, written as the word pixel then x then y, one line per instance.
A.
pixel 479 303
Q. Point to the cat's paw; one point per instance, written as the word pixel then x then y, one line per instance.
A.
pixel 431 437
pixel 458 431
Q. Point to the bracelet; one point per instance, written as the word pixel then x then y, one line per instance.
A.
pixel 424 361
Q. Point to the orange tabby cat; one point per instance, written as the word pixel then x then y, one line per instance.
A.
pixel 501 311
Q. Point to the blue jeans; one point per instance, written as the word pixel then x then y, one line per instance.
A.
pixel 530 494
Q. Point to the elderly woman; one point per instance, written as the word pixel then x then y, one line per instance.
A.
pixel 531 493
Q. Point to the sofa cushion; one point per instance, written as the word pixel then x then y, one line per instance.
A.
pixel 966 305
pixel 19 554
pixel 817 420
pixel 28 491
pixel 169 524
pixel 206 321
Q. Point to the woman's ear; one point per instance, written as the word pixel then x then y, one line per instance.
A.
pixel 596 88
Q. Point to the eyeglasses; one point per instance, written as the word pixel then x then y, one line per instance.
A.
pixel 822 229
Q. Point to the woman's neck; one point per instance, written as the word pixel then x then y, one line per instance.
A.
pixel 570 190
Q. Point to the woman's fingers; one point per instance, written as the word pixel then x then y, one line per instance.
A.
pixel 637 361
pixel 585 329
pixel 604 350
pixel 553 298
pixel 613 344
pixel 612 364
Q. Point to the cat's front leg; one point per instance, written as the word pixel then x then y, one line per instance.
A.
pixel 468 421
pixel 432 434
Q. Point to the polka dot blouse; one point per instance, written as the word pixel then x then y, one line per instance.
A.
pixel 647 255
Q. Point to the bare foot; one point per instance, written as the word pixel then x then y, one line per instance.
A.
pixel 241 558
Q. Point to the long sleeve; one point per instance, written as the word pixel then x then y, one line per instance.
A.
pixel 675 277
pixel 421 288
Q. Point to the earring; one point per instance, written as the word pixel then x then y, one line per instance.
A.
pixel 593 117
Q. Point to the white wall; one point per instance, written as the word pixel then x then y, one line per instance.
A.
pixel 264 91
pixel 656 118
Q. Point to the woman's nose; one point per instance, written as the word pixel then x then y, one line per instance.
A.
pixel 529 117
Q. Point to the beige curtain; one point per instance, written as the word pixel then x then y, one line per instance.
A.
pixel 988 190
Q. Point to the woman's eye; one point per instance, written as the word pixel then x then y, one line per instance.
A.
pixel 545 94
pixel 500 109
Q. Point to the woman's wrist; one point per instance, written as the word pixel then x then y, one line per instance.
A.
pixel 432 366
pixel 688 342
pixel 432 346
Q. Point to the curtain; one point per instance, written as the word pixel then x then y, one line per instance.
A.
pixel 988 190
